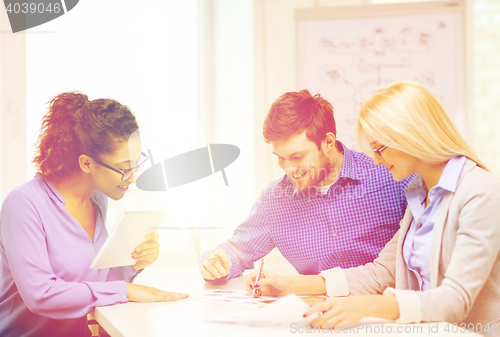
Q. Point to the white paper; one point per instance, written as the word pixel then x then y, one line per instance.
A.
pixel 285 311
pixel 241 297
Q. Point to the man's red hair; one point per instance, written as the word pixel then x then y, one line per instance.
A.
pixel 295 112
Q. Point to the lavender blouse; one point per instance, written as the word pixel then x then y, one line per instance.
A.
pixel 46 286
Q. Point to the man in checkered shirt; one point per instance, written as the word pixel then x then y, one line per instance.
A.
pixel 333 208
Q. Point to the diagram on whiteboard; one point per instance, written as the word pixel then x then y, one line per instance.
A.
pixel 346 59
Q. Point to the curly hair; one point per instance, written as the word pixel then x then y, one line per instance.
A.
pixel 73 126
pixel 295 112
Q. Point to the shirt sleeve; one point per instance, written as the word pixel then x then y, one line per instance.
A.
pixel 42 291
pixel 250 242
pixel 125 273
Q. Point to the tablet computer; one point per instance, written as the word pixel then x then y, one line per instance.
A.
pixel 129 231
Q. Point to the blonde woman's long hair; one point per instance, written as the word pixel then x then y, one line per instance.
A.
pixel 414 120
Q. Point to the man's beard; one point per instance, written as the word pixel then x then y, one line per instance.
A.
pixel 317 176
pixel 323 173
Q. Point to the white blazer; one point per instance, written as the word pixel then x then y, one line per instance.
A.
pixel 464 260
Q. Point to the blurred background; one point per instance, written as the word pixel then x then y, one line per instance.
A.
pixel 195 72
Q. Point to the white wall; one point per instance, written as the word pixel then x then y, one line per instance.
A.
pixel 12 107
pixel 277 70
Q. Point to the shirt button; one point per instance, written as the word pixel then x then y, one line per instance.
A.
pixel 124 296
pixel 433 191
pixel 341 260
pixel 335 234
pixel 329 202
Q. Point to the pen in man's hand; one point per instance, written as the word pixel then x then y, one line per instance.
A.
pixel 259 270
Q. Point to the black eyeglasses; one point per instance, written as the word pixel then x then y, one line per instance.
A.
pixel 382 148
pixel 128 172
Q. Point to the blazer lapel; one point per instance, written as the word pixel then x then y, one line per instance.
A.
pixel 438 230
pixel 437 237
pixel 402 277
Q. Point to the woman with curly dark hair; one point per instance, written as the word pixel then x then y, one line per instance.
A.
pixel 52 227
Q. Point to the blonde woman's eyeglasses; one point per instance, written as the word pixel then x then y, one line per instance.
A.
pixel 382 148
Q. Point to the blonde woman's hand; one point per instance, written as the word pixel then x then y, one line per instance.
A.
pixel 344 312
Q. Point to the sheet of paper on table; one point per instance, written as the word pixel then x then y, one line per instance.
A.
pixel 241 297
pixel 284 311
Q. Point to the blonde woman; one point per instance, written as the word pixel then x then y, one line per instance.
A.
pixel 443 264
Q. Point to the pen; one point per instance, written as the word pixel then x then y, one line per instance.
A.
pixel 259 270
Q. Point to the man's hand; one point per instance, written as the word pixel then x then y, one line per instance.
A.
pixel 269 284
pixel 147 252
pixel 215 265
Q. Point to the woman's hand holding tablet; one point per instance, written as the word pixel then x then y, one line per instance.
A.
pixel 147 252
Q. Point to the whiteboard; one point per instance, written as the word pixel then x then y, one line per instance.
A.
pixel 345 53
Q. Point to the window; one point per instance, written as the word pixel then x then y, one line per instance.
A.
pixel 146 55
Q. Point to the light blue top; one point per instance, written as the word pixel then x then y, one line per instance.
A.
pixel 416 247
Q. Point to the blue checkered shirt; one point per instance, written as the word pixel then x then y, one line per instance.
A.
pixel 346 227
